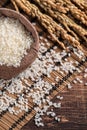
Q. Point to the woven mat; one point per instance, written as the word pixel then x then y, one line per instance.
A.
pixel 10 121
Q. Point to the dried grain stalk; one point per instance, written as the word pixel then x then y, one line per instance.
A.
pixel 15 5
pixel 58 12
pixel 81 4
pixel 75 12
pixel 55 30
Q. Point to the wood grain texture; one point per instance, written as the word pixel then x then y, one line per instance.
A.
pixel 73 112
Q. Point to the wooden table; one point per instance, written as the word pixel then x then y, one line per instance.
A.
pixel 73 112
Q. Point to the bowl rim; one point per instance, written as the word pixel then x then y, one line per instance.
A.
pixel 20 17
pixel 6 71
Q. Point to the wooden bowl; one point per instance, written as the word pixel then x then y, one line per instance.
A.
pixel 7 72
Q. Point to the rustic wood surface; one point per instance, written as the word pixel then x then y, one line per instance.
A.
pixel 73 112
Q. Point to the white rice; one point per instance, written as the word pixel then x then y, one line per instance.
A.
pixel 14 41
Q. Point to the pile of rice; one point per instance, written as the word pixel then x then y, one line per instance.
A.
pixel 14 41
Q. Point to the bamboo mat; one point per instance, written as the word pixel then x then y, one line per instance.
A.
pixel 10 121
